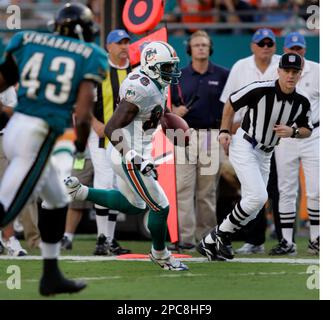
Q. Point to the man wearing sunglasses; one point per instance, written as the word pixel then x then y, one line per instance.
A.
pixel 260 66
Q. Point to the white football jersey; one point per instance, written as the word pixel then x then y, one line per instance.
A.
pixel 150 98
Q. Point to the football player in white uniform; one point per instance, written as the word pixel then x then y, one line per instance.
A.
pixel 130 130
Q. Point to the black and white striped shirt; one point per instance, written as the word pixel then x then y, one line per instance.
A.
pixel 266 106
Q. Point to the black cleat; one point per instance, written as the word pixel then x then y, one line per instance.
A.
pixel 116 249
pixel 223 244
pixel 53 282
pixel 102 246
pixel 66 244
pixel 283 248
pixel 51 286
pixel 209 251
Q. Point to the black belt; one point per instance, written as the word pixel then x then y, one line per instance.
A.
pixel 254 143
pixel 316 124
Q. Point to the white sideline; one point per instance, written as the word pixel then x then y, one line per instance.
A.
pixel 175 275
pixel 194 259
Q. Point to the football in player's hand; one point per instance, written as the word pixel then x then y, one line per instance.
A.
pixel 176 129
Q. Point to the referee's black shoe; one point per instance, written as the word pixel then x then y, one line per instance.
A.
pixel 209 251
pixel 223 242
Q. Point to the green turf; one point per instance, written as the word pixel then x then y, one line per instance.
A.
pixel 144 280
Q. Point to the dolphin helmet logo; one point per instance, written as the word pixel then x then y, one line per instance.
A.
pixel 150 54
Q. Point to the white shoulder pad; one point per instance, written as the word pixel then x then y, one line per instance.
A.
pixel 132 90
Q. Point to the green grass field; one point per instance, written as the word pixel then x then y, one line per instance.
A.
pixel 143 280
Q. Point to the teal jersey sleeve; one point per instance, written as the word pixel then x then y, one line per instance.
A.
pixel 15 42
pixel 97 65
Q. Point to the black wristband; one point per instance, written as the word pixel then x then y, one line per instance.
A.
pixel 224 131
pixel 80 147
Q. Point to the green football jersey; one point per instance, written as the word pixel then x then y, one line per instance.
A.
pixel 51 68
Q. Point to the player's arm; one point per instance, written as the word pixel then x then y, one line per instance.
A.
pixel 8 73
pixel 226 124
pixel 123 115
pixel 84 105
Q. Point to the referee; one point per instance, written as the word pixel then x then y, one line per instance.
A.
pixel 275 109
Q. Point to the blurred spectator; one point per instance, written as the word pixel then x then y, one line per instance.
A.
pixel 171 11
pixel 197 11
pixel 95 6
pixel 277 12
pixel 236 11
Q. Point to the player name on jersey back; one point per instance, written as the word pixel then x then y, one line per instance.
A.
pixel 62 43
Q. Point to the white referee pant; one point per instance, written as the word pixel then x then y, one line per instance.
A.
pixel 252 167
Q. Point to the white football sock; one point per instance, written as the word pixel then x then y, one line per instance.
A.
pixel 287 234
pixel 50 250
pixel 69 235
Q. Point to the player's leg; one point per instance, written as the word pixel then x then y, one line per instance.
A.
pixel 129 203
pixel 287 165
pixel 51 223
pixel 310 150
pixel 136 190
pixel 150 191
pixel 3 166
pixel 27 162
pixel 8 239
